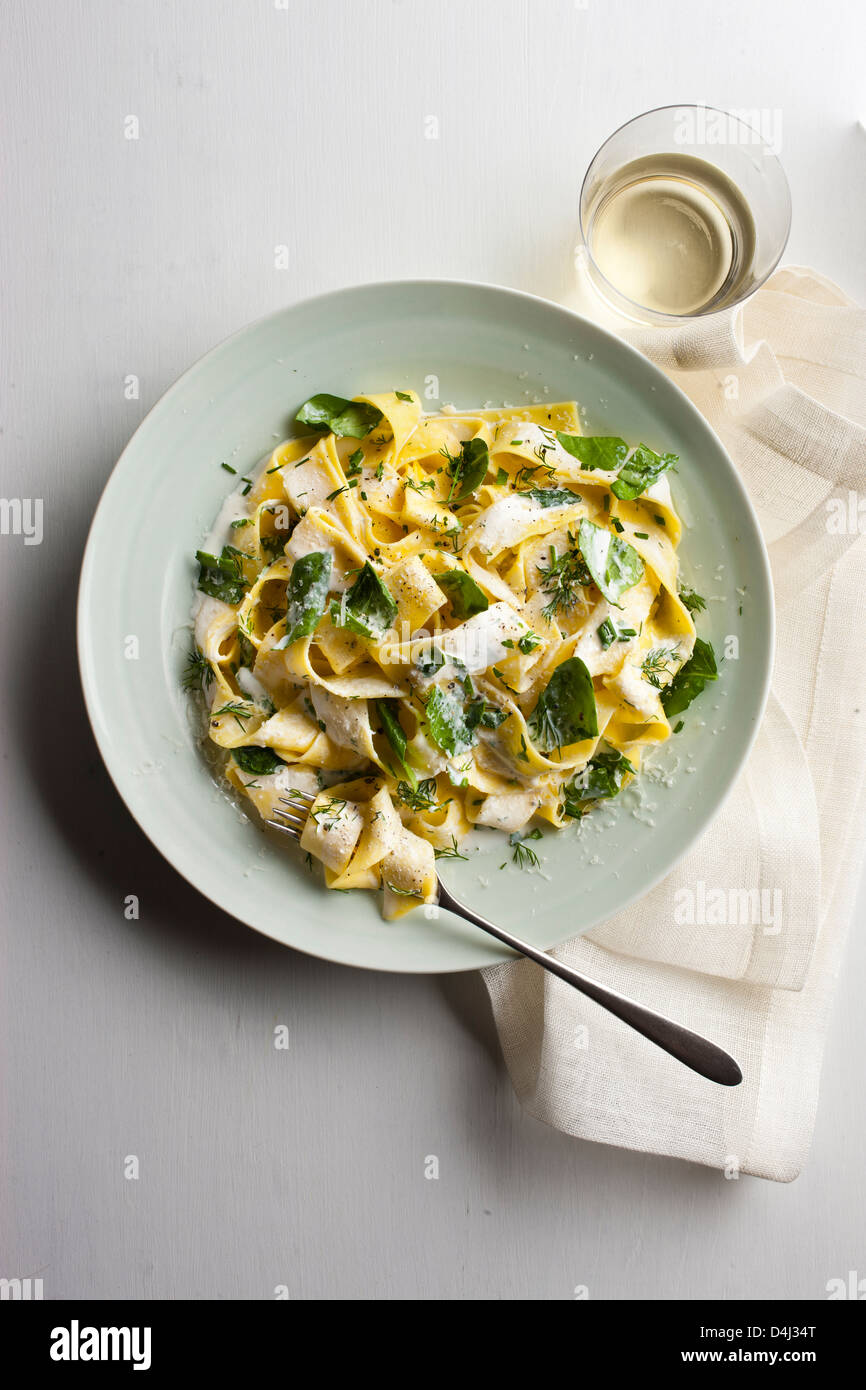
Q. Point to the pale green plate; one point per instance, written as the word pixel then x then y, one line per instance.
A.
pixel 453 342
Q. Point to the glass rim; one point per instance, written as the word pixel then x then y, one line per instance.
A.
pixel 643 309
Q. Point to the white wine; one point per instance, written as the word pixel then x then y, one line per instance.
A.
pixel 672 234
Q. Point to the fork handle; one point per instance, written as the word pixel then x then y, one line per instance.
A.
pixel 689 1048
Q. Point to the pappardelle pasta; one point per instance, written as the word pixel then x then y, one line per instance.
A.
pixel 437 622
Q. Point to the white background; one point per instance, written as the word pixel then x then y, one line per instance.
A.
pixel 304 126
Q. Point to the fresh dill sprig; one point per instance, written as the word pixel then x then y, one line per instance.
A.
pixel 562 578
pixel 236 708
pixel 450 852
pixel 657 663
pixel 422 797
pixel 522 854
pixel 198 672
pixel 692 601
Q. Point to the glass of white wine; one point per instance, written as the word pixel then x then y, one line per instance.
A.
pixel 684 211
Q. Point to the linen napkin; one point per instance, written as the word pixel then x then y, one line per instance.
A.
pixel 781 381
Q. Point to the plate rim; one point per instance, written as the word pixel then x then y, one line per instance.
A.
pixel 88 680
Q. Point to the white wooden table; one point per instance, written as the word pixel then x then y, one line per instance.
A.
pixel 158 154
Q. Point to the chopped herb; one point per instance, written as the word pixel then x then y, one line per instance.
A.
pixel 421 797
pixel 356 461
pixel 692 601
pixel 608 633
pixel 380 469
pixel 228 468
pixel 246 650
pixel 238 709
pixel 562 577
pixel 521 853
pixel 404 396
pixel 501 477
pixel 452 852
pixel 198 672
pixel 526 644
pixel 617 525
pixel 678 726
pixel 431 660
pixel 641 535
pixel 243 521
pixel 657 663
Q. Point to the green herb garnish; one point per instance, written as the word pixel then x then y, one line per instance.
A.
pixel 565 712
pixel 642 470
pixel 594 451
pixel 466 597
pixel 690 680
pixel 614 565
pixel 222 576
pixel 198 672
pixel 307 595
pixel 602 778
pixel 257 761
pixel 346 419
pixel 368 608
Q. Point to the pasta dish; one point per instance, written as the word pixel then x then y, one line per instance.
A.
pixel 439 622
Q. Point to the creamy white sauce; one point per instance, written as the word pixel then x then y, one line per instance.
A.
pixel 250 685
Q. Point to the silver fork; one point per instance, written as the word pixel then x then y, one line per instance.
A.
pixel 690 1048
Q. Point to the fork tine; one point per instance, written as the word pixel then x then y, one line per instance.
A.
pixel 286 819
pixel 296 795
pixel 287 830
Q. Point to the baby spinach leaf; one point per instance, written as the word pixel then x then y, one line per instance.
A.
pixel 465 595
pixel 641 471
pixel 492 715
pixel 430 660
pixel 594 450
pixel 367 608
pixel 352 419
pixel 222 576
pixel 257 760
pixel 602 777
pixel 565 712
pixel 468 470
pixel 690 679
pixel 452 726
pixel 388 713
pixel 552 496
pixel 614 564
pixel 307 595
